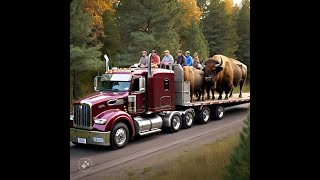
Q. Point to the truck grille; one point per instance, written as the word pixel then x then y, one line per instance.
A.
pixel 82 115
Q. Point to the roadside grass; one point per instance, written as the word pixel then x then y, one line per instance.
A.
pixel 245 89
pixel 205 162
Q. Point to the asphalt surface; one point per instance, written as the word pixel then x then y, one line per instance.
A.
pixel 152 149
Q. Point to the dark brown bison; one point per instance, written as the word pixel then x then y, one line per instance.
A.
pixel 240 75
pixel 198 80
pixel 219 75
pixel 194 76
pixel 222 74
pixel 211 69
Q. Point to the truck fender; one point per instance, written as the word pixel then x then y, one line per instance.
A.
pixel 114 116
pixel 167 118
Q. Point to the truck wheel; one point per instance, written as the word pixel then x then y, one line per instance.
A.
pixel 188 118
pixel 204 115
pixel 119 136
pixel 218 112
pixel 75 143
pixel 175 122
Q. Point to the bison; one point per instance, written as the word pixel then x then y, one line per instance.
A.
pixel 223 74
pixel 240 75
pixel 194 76
pixel 218 75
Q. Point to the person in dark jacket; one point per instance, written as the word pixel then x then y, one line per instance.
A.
pixel 181 59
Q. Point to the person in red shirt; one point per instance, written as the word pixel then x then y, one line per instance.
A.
pixel 155 59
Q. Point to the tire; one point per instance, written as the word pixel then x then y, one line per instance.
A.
pixel 119 136
pixel 218 112
pixel 188 118
pixel 175 122
pixel 204 115
pixel 75 143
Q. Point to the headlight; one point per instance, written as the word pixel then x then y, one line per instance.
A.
pixel 100 121
pixel 71 117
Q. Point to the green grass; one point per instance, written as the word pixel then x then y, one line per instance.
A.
pixel 245 89
pixel 205 162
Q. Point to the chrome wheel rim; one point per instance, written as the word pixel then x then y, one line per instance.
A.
pixel 220 111
pixel 189 119
pixel 176 122
pixel 206 115
pixel 121 136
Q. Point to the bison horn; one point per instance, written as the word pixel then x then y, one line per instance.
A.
pixel 218 65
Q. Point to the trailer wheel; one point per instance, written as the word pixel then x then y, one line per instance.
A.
pixel 188 118
pixel 204 115
pixel 119 136
pixel 218 112
pixel 175 122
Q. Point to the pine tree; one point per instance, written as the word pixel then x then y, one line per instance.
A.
pixel 111 40
pixel 148 24
pixel 82 57
pixel 80 28
pixel 219 30
pixel 196 41
pixel 243 31
pixel 239 166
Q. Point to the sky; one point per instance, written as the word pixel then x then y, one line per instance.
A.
pixel 237 2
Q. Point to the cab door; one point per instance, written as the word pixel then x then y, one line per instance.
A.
pixel 140 94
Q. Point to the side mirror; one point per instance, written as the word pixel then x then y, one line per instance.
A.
pixel 95 82
pixel 142 84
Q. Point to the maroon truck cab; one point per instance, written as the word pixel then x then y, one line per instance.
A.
pixel 103 117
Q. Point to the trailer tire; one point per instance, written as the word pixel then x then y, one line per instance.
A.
pixel 218 112
pixel 175 123
pixel 119 136
pixel 188 118
pixel 204 115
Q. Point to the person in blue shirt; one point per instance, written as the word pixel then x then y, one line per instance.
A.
pixel 189 59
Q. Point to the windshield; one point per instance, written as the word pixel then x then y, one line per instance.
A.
pixel 114 86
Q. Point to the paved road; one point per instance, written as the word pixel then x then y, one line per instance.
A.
pixel 147 149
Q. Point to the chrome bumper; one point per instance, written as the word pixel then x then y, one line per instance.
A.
pixel 92 137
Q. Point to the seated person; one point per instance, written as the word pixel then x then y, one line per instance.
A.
pixel 167 59
pixel 189 59
pixel 196 61
pixel 155 59
pixel 144 59
pixel 181 59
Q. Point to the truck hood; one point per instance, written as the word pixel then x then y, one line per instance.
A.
pixel 100 97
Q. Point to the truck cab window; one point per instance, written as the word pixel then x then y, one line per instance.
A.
pixel 135 86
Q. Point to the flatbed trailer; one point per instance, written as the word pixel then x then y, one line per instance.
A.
pixel 203 111
pixel 140 101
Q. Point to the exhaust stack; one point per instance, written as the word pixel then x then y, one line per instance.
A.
pixel 149 66
pixel 107 62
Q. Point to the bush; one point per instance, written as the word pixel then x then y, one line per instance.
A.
pixel 239 165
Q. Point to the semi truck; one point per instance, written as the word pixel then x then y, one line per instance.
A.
pixel 139 101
